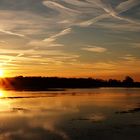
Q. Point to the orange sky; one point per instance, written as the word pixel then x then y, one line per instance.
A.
pixel 91 38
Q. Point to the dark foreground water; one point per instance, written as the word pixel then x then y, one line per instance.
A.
pixel 82 114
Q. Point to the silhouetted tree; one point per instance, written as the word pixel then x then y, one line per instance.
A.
pixel 128 79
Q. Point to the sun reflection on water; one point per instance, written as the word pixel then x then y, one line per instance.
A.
pixel 5 104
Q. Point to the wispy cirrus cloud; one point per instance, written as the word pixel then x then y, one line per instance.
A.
pixel 94 49
pixel 110 12
pixel 129 58
pixel 126 5
pixel 61 33
pixel 11 33
pixel 51 40
pixel 47 42
pixel 94 11
pixel 58 7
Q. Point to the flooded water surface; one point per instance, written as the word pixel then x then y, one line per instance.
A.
pixel 73 114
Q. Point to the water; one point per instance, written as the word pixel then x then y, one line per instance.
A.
pixel 81 114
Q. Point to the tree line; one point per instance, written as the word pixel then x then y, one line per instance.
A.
pixel 53 83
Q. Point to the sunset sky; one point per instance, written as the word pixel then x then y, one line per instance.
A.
pixel 70 38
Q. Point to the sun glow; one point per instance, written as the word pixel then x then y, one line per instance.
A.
pixel 1 73
pixel 1 93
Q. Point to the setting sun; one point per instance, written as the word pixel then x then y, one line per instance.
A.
pixel 1 94
pixel 1 73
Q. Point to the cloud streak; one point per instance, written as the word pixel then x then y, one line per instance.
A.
pixel 11 33
pixel 61 33
pixel 58 7
pixel 50 41
pixel 71 16
pixel 94 49
pixel 110 12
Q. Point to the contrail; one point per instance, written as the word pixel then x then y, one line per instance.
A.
pixel 11 33
pixel 109 12
pixel 122 7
